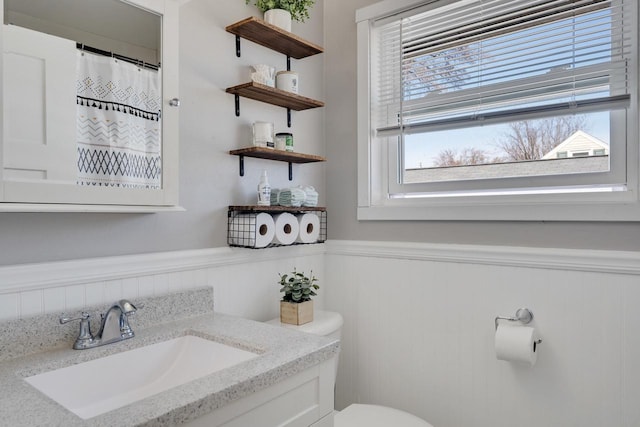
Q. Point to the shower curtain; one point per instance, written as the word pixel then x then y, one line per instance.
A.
pixel 118 123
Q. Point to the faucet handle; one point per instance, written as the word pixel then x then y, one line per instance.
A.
pixel 83 317
pixel 85 338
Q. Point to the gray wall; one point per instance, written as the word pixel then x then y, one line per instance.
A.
pixel 209 179
pixel 340 66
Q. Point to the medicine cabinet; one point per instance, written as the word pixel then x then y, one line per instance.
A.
pixel 45 119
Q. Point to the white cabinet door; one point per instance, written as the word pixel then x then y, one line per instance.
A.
pixel 39 106
pixel 301 400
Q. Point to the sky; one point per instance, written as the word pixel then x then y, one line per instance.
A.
pixel 422 149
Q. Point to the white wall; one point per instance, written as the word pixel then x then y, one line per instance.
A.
pixel 244 280
pixel 419 330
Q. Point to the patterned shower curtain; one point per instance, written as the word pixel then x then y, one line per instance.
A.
pixel 118 123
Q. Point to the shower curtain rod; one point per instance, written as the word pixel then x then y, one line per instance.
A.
pixel 137 62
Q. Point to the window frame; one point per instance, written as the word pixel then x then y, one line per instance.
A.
pixel 377 162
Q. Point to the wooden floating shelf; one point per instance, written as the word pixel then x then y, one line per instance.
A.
pixel 274 96
pixel 271 154
pixel 275 38
pixel 256 208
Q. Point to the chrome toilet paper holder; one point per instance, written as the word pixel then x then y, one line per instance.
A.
pixel 523 315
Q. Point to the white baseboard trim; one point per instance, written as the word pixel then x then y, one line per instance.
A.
pixel 620 262
pixel 25 277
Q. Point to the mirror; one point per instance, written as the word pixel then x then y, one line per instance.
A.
pixel 110 25
pixel 85 120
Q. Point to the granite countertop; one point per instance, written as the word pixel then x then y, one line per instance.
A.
pixel 282 353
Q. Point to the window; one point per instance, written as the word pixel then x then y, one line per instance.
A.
pixel 471 106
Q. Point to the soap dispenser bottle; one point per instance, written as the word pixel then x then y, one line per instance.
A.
pixel 264 190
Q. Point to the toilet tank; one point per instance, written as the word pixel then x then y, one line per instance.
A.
pixel 325 323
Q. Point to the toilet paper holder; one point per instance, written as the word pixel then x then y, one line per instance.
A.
pixel 523 315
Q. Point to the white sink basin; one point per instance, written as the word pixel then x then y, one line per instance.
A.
pixel 101 385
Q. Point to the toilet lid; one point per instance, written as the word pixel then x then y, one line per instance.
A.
pixel 358 415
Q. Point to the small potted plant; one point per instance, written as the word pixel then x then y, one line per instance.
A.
pixel 296 306
pixel 281 12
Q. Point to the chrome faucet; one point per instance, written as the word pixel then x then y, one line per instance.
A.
pixel 114 327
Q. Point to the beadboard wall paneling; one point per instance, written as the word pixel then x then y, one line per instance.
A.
pixel 244 280
pixel 419 328
pixel 419 331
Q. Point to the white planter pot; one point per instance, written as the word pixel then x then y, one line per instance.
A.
pixel 279 18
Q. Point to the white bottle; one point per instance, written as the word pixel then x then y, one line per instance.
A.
pixel 264 190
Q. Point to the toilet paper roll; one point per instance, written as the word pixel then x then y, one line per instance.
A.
pixel 286 227
pixel 309 228
pixel 256 231
pixel 516 344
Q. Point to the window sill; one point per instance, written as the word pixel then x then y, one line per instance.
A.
pixel 612 206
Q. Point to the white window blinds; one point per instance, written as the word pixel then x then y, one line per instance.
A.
pixel 458 63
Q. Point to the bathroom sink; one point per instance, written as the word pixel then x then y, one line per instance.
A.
pixel 101 385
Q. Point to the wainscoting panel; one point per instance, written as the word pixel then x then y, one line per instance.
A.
pixel 419 320
pixel 419 333
pixel 244 280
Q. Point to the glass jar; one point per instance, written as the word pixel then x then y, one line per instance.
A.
pixel 284 141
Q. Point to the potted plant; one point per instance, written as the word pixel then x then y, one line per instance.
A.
pixel 281 12
pixel 296 306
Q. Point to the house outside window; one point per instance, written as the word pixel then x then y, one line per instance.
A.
pixel 498 109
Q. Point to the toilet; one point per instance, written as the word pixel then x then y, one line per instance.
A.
pixel 329 324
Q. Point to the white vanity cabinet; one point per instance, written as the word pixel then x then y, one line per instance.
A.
pixel 303 400
pixel 38 149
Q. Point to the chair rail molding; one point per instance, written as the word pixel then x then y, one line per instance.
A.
pixel 604 261
pixel 24 277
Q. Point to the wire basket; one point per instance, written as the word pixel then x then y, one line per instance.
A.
pixel 246 228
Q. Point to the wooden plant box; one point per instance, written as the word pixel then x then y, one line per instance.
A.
pixel 296 313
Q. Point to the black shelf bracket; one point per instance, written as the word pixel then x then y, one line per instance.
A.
pixel 241 167
pixel 241 164
pixel 237 105
pixel 238 46
pixel 288 117
pixel 288 63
